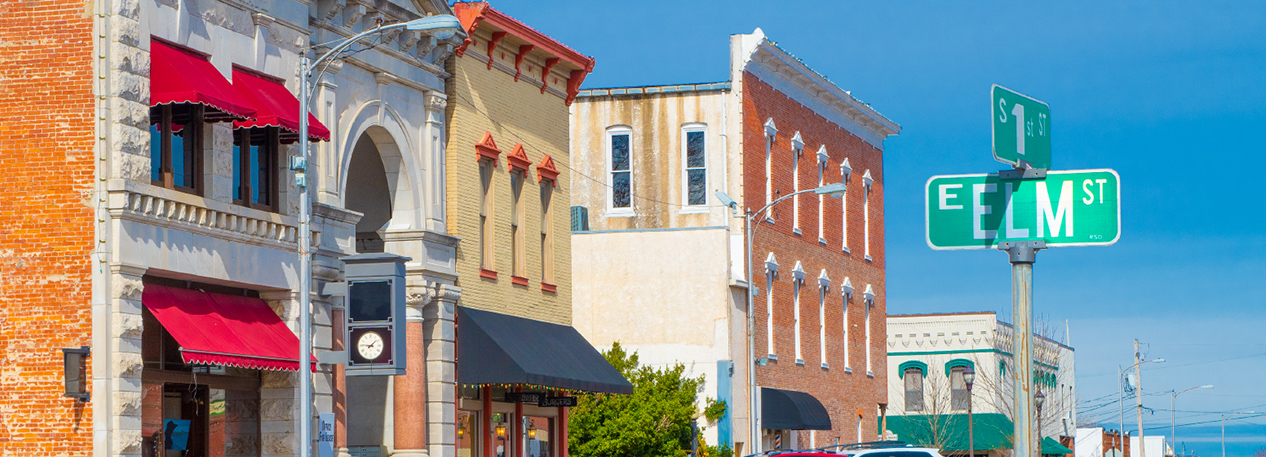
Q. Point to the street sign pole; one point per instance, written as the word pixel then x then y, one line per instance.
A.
pixel 1022 255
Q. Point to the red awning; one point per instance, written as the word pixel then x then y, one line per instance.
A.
pixel 216 329
pixel 182 76
pixel 276 106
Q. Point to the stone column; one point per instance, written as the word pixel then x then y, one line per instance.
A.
pixel 278 405
pixel 337 345
pixel 433 137
pixel 123 396
pixel 409 390
pixel 441 351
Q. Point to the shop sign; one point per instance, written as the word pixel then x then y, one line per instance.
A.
pixel 557 401
pixel 523 397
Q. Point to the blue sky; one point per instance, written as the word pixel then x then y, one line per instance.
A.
pixel 1172 95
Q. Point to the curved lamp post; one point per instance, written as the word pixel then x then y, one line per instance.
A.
pixel 1228 416
pixel 442 27
pixel 969 377
pixel 1173 435
pixel 834 190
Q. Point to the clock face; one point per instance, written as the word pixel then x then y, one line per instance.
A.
pixel 369 345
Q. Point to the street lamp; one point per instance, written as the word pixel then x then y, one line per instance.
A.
pixel 1173 435
pixel 835 190
pixel 1228 416
pixel 442 27
pixel 969 377
pixel 1037 401
pixel 1121 400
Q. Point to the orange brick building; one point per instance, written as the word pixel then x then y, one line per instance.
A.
pixel 46 222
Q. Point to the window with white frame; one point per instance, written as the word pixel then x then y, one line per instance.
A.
pixel 958 388
pixel 822 159
pixel 846 293
pixel 694 176
pixel 845 171
pixel 771 269
pixel 823 283
pixel 619 170
pixel 797 281
pixel 770 132
pixel 866 182
pixel 869 303
pixel 797 147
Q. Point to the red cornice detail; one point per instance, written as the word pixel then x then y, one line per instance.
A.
pixel 518 158
pixel 487 274
pixel 519 280
pixel 518 59
pixel 573 84
pixel 546 170
pixel 486 148
pixel 492 45
pixel 549 64
pixel 547 287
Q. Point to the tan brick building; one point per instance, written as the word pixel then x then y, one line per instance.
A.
pixel 508 200
pixel 664 270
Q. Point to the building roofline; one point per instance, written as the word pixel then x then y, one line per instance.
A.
pixel 655 90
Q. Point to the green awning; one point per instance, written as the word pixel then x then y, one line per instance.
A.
pixel 1052 447
pixel 948 432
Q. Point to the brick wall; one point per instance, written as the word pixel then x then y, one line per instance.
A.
pixel 46 230
pixel 843 394
pixel 490 100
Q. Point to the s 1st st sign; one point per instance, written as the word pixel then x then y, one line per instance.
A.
pixel 1021 129
pixel 1067 208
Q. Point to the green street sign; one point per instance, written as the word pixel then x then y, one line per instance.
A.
pixel 1021 129
pixel 1066 208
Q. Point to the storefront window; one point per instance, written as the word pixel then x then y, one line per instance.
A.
pixel 540 434
pixel 467 434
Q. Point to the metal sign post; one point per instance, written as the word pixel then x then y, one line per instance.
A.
pixel 1022 211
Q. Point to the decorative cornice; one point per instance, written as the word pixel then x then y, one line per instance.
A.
pixel 867 180
pixel 771 263
pixel 770 129
pixel 823 279
pixel 435 101
pixel 869 293
pixel 797 143
pixel 846 288
pixel 547 170
pixel 518 59
pixel 798 271
pixel 385 79
pixel 823 157
pixel 518 159
pixel 846 169
pixel 486 148
pixel 789 75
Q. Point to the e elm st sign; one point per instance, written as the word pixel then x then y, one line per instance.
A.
pixel 1066 208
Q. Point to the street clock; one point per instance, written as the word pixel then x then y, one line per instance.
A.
pixel 375 314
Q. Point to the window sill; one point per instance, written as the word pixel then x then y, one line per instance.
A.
pixel 845 250
pixel 487 274
pixel 622 212
pixel 848 370
pixel 797 231
pixel 868 259
pixel 773 357
pixel 822 241
pixel 519 280
pixel 800 362
pixel 870 374
pixel 769 220
pixel 693 210
pixel 547 287
pixel 826 366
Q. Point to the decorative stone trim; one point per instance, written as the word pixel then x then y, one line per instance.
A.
pixel 518 159
pixel 486 148
pixel 228 223
pixel 547 170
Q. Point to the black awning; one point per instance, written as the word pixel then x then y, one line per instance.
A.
pixel 791 410
pixel 500 349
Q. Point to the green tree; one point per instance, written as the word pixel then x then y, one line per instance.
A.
pixel 654 421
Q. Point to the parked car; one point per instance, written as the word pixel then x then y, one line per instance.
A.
pixel 868 449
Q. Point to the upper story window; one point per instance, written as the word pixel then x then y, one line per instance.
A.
pixel 958 388
pixel 255 169
pixel 175 149
pixel 913 377
pixel 486 228
pixel 620 169
pixel 694 159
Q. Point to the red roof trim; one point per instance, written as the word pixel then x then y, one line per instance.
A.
pixel 549 65
pixel 518 158
pixel 486 148
pixel 518 59
pixel 492 46
pixel 546 170
pixel 474 13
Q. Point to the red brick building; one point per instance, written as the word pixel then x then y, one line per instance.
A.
pixel 664 270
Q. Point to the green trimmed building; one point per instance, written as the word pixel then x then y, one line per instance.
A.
pixel 928 398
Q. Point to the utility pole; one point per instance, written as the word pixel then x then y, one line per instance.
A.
pixel 1138 394
pixel 1022 254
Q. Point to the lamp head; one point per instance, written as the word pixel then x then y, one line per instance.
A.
pixel 725 199
pixel 442 27
pixel 1039 399
pixel 835 190
pixel 969 376
pixel 1206 386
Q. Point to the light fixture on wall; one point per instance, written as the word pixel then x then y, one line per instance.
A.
pixel 531 430
pixel 501 430
pixel 76 371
